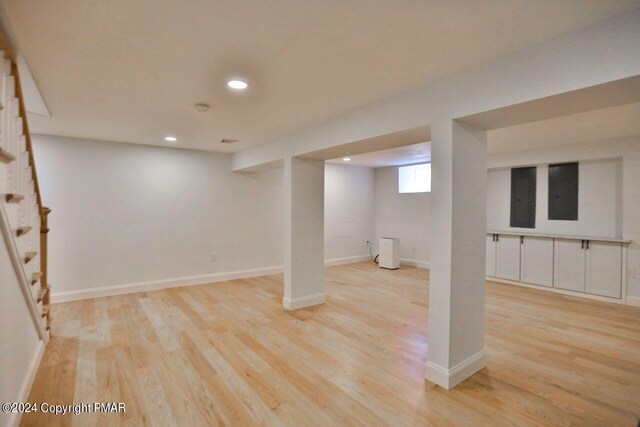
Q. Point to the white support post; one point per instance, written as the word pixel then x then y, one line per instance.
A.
pixel 304 233
pixel 456 288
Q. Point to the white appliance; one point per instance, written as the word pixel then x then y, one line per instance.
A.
pixel 389 253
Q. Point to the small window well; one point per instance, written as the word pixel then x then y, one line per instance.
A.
pixel 414 178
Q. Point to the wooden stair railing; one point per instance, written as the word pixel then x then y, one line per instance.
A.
pixel 44 232
pixel 23 212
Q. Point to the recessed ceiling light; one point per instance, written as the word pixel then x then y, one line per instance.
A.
pixel 346 159
pixel 170 138
pixel 237 84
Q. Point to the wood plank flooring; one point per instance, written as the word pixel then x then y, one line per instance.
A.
pixel 229 354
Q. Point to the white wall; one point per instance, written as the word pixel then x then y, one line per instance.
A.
pixel 599 200
pixel 124 214
pixel 403 216
pixel 20 343
pixel 609 198
pixel 627 149
pixel 348 210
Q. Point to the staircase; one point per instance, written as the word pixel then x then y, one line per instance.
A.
pixel 23 218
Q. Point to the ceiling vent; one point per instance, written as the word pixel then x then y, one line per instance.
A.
pixel 228 141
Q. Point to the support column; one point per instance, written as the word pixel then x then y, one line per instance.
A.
pixel 456 285
pixel 304 233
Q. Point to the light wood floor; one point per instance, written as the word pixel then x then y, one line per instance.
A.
pixel 228 353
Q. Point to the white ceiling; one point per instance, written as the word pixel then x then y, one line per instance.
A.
pixel 409 154
pixel 131 71
pixel 598 125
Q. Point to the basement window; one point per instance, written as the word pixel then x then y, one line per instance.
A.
pixel 414 178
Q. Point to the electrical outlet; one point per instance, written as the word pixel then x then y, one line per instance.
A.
pixel 631 272
pixel 213 256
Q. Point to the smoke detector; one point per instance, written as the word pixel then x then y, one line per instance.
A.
pixel 201 108
pixel 228 141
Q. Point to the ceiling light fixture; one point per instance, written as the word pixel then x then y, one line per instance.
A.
pixel 346 159
pixel 237 84
pixel 170 138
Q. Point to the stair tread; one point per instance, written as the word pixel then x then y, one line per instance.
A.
pixel 29 256
pixel 45 311
pixel 35 277
pixel 21 231
pixel 42 292
pixel 14 198
pixel 6 157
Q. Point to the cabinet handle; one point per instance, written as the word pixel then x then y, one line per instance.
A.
pixel 582 246
pixel 587 244
pixel 497 237
pixel 522 240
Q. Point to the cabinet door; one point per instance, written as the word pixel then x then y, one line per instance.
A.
pixel 536 261
pixel 491 256
pixel 508 257
pixel 569 265
pixel 604 269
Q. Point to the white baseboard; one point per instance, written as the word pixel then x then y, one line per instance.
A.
pixel 632 301
pixel 303 302
pixel 559 291
pixel 449 378
pixel 415 263
pixel 347 260
pixel 154 285
pixel 23 395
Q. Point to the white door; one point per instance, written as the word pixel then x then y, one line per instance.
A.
pixel 491 256
pixel 604 269
pixel 536 261
pixel 569 264
pixel 508 257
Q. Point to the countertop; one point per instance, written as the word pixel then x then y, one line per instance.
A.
pixel 559 236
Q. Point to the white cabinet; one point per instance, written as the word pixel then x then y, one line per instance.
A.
pixel 604 268
pixel 569 264
pixel 508 257
pixel 536 260
pixel 588 266
pixel 503 256
pixel 562 262
pixel 491 255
